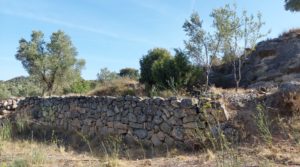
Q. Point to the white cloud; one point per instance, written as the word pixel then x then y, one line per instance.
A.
pixel 50 20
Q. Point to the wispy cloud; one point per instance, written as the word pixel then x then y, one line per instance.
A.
pixel 64 23
pixel 90 29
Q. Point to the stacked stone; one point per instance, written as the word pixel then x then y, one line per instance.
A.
pixel 8 106
pixel 156 121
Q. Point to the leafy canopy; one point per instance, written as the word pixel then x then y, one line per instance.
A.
pixel 292 5
pixel 106 75
pixel 129 72
pixel 172 71
pixel 148 60
pixel 53 65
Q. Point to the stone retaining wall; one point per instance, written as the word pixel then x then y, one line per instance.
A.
pixel 7 106
pixel 154 120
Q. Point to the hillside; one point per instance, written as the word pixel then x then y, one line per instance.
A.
pixel 273 61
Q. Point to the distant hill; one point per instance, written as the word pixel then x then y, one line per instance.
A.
pixel 19 86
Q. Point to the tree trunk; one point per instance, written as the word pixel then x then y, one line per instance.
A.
pixel 206 84
pixel 207 78
pixel 234 74
pixel 237 83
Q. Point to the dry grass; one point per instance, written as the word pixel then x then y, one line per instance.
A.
pixel 37 154
pixel 118 87
pixel 228 91
pixel 290 32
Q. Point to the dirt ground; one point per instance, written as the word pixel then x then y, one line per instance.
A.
pixel 30 153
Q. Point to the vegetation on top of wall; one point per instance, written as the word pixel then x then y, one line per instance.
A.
pixel 130 72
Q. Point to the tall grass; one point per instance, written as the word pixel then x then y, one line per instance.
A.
pixel 111 147
pixel 263 124
pixel 5 130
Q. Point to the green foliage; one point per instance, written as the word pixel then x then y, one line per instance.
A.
pixel 263 124
pixel 80 86
pixel 162 71
pixel 5 130
pixel 147 62
pixel 53 65
pixel 232 34
pixel 19 163
pixel 292 5
pixel 201 45
pixel 106 75
pixel 175 70
pixel 4 93
pixel 197 76
pixel 129 72
pixel 19 87
pixel 228 58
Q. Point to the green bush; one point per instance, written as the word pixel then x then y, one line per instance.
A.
pixel 19 87
pixel 130 73
pixel 147 62
pixel 4 93
pixel 81 86
pixel 106 75
pixel 163 71
pixel 172 72
pixel 196 77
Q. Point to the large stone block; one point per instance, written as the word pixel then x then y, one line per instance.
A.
pixel 165 128
pixel 140 133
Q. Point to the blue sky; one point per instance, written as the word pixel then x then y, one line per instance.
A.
pixel 117 33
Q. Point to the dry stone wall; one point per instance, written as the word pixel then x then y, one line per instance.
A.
pixel 157 121
pixel 8 106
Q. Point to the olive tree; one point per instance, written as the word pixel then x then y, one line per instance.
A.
pixel 292 5
pixel 241 37
pixel 203 46
pixel 231 34
pixel 53 65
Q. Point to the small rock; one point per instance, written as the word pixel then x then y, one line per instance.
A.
pixel 165 128
pixel 190 125
pixel 140 133
pixel 188 103
pixel 178 133
pixel 132 117
pixel 155 140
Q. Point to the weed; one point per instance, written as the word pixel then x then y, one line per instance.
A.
pixel 111 148
pixel 84 138
pixel 37 157
pixel 19 163
pixel 6 130
pixel 263 124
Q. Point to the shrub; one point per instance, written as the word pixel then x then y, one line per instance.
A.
pixel 163 71
pixel 263 124
pixel 106 75
pixel 118 87
pixel 169 69
pixel 147 62
pixel 4 93
pixel 81 86
pixel 129 72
